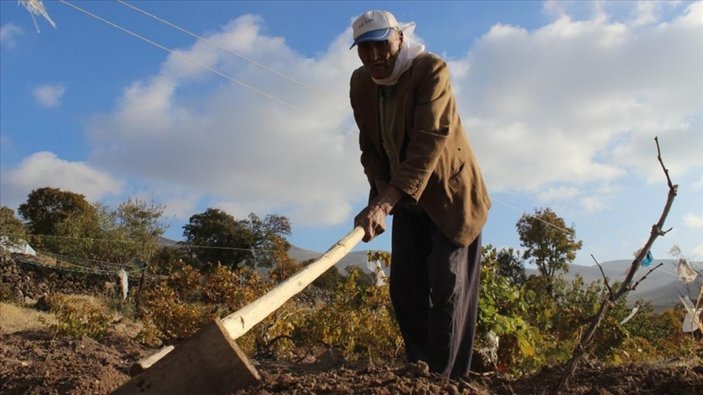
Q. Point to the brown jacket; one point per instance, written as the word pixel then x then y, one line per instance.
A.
pixel 437 170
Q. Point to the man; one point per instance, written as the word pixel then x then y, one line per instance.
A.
pixel 421 169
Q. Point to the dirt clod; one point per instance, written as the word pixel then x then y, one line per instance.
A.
pixel 39 361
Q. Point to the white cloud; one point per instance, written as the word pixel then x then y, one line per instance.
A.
pixel 560 112
pixel 8 35
pixel 646 12
pixel 578 102
pixel 49 95
pixel 179 206
pixel 186 128
pixel 694 221
pixel 554 7
pixel 558 193
pixel 592 204
pixel 45 169
pixel 699 183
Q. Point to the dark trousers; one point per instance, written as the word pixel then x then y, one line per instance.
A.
pixel 434 287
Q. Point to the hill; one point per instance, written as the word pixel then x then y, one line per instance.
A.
pixel 662 287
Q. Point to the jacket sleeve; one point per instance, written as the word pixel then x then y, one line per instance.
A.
pixel 431 124
pixel 374 164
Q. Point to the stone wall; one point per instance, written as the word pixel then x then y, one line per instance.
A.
pixel 29 280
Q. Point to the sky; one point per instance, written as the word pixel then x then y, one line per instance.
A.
pixel 561 102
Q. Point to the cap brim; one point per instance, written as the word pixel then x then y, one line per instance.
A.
pixel 373 35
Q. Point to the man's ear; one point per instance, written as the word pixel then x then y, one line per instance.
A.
pixel 401 37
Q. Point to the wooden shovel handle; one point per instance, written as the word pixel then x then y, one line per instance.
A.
pixel 239 322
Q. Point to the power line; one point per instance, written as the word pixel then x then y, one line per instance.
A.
pixel 571 232
pixel 135 241
pixel 71 262
pixel 194 61
pixel 252 88
pixel 512 181
pixel 232 52
pixel 591 219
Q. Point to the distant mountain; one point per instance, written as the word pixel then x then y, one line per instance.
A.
pixel 162 241
pixel 662 287
pixel 667 295
pixel 616 271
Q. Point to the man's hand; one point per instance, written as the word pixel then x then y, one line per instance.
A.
pixel 373 218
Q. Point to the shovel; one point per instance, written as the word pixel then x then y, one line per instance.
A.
pixel 210 362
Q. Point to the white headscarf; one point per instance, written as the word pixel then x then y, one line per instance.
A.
pixel 407 53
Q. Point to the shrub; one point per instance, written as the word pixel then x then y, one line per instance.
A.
pixel 171 316
pixel 274 337
pixel 503 311
pixel 79 316
pixel 232 289
pixel 176 308
pixel 359 321
pixel 329 279
pixel 654 337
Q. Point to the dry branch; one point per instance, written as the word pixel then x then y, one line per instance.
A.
pixel 587 336
pixel 605 279
pixel 632 288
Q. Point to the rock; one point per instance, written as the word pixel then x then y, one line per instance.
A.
pixel 42 304
pixel 415 369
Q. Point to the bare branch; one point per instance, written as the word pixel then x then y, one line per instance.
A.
pixel 659 157
pixel 605 279
pixel 632 288
pixel 587 337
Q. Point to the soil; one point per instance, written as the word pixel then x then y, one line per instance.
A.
pixel 669 378
pixel 36 360
pixel 40 362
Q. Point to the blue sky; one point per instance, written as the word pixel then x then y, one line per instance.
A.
pixel 561 102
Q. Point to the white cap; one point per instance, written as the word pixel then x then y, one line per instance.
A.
pixel 373 26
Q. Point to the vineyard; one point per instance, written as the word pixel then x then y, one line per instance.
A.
pixel 338 336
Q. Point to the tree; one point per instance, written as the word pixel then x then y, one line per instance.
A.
pixel 284 266
pixel 81 235
pixel 216 236
pixel 46 207
pixel 510 266
pixel 9 225
pixel 140 219
pixel 103 234
pixel 269 238
pixel 548 242
pixel 136 223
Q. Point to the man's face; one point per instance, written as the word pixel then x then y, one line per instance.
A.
pixel 379 56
